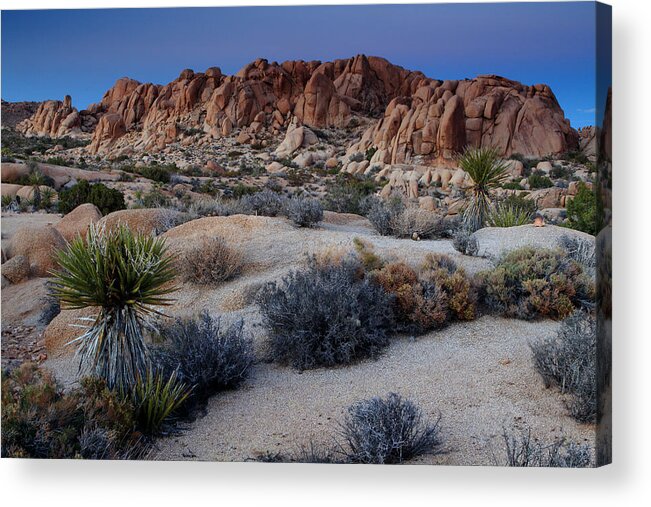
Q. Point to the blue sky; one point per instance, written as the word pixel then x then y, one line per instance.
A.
pixel 50 53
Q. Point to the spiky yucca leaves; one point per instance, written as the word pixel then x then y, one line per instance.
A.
pixel 156 399
pixel 126 276
pixel 487 172
pixel 504 214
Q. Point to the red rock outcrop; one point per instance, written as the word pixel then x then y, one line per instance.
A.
pixel 419 116
pixel 442 118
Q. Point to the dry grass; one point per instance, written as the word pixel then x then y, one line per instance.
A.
pixel 211 262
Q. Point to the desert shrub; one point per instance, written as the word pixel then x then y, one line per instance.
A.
pixel 346 194
pixel 560 172
pixel 512 185
pixel 106 199
pixel 538 180
pixel 465 242
pixel 157 173
pixel 206 354
pixel 240 190
pixel 382 215
pixel 155 400
pixel 417 306
pixel 575 156
pixel 211 261
pixel 125 276
pixel 325 315
pixel 430 298
pixel 41 420
pixel 416 223
pixel 504 214
pixel 521 449
pixel 388 430
pixel 266 203
pixel 369 258
pixel 530 282
pixel 459 290
pixel 487 171
pixel 582 211
pixel 569 361
pixel 581 250
pixel 304 212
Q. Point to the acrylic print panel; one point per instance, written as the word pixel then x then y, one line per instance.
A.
pixel 386 246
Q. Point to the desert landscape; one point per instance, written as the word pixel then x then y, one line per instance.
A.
pixel 340 261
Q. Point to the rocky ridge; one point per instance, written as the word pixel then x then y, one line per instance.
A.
pixel 410 117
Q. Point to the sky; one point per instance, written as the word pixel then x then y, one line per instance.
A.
pixel 50 53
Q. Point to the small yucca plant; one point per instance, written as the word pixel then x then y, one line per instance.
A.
pixel 157 399
pixel 487 172
pixel 508 215
pixel 126 276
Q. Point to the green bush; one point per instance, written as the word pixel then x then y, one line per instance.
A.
pixel 41 420
pixel 538 180
pixel 530 282
pixel 156 173
pixel 346 194
pixel 155 400
pixel 106 199
pixel 582 211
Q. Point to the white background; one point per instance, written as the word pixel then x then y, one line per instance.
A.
pixel 626 482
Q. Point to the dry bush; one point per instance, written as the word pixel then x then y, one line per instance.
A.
pixel 417 307
pixel 210 262
pixel 437 294
pixel 459 289
pixel 370 260
pixel 325 316
pixel 388 430
pixel 531 282
pixel 416 223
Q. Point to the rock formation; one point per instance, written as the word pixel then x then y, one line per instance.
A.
pixel 418 116
pixel 442 118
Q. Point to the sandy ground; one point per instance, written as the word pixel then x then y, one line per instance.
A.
pixel 478 375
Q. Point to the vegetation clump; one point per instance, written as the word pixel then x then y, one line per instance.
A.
pixel 125 276
pixel 106 199
pixel 568 361
pixel 41 420
pixel 205 354
pixel 325 315
pixel 304 212
pixel 431 298
pixel 387 431
pixel 487 172
pixel 521 449
pixel 582 211
pixel 211 261
pixel 529 282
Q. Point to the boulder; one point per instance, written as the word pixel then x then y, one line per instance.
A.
pixel 495 241
pixel 66 327
pixel 16 269
pixel 10 189
pixel 11 172
pixel 142 221
pixel 39 245
pixel 76 222
pixel 544 166
pixel 552 197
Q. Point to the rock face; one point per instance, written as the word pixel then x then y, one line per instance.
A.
pixel 39 245
pixel 15 112
pixel 55 118
pixel 77 222
pixel 440 118
pixel 419 116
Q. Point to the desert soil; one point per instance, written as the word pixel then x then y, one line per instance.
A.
pixel 478 375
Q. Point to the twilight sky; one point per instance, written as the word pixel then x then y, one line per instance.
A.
pixel 48 54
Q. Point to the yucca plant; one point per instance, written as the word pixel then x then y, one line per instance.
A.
pixel 487 172
pixel 504 214
pixel 126 276
pixel 156 399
